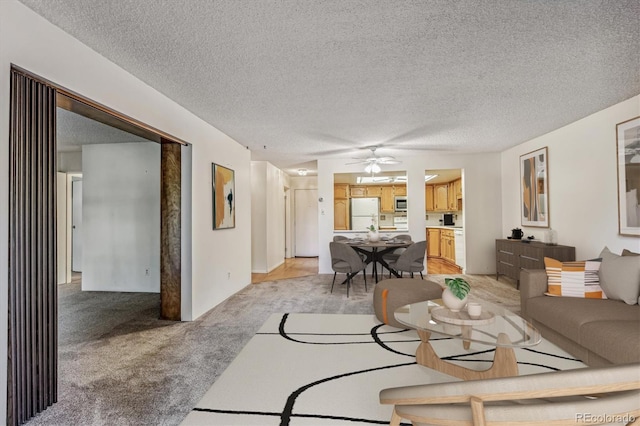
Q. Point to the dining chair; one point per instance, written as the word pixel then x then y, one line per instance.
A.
pixel 411 260
pixel 394 255
pixel 343 239
pixel 344 259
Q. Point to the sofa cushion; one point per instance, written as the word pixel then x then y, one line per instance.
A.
pixel 620 277
pixel 617 341
pixel 574 279
pixel 626 252
pixel 567 315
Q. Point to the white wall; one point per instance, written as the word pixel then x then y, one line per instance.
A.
pixel 259 216
pixel 121 217
pixel 70 162
pixel 481 186
pixel 268 216
pixel 583 203
pixel 220 265
pixel 275 217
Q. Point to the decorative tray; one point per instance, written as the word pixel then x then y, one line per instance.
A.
pixel 445 315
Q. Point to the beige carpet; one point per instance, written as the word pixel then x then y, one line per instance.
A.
pixel 120 365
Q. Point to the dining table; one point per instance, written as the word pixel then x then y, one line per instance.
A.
pixel 375 250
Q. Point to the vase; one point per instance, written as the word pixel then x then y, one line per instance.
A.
pixel 452 302
pixel 374 236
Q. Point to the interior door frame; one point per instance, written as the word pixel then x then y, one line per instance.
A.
pixel 170 248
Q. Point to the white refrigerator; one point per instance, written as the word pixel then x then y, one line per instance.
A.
pixel 363 210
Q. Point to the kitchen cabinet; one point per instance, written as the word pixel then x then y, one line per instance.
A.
pixel 441 197
pixel 458 188
pixel 340 190
pixel 400 190
pixel 373 191
pixel 447 245
pixel 387 200
pixel 452 196
pixel 341 206
pixel 441 244
pixel 433 242
pixel 514 255
pixel 358 191
pixel 341 214
pixel 428 198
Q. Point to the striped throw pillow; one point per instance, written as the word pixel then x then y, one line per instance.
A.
pixel 574 279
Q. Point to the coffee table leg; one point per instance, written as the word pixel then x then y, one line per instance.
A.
pixel 466 334
pixel 504 361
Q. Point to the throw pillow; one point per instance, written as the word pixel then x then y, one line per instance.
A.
pixel 574 279
pixel 620 277
pixel 626 252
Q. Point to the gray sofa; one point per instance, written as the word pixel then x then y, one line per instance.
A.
pixel 598 332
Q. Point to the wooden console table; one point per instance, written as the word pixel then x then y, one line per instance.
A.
pixel 514 255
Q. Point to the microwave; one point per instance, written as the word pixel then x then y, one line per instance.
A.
pixel 400 204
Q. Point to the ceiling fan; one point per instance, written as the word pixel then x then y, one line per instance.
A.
pixel 373 161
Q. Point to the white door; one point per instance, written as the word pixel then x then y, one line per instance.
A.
pixel 76 226
pixel 306 222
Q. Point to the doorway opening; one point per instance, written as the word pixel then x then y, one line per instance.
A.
pixel 444 215
pixel 32 371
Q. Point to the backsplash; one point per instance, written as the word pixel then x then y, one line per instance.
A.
pixel 386 219
pixel 434 219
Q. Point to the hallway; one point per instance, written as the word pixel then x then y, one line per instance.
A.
pixel 291 268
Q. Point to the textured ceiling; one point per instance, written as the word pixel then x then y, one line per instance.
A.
pixel 316 79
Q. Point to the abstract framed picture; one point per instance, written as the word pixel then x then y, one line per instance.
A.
pixel 223 185
pixel 534 188
pixel 628 158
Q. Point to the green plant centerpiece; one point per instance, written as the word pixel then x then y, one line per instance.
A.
pixel 373 234
pixel 455 294
pixel 373 231
pixel 458 286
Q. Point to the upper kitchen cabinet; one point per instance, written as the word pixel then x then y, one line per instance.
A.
pixel 428 198
pixel 340 190
pixel 400 190
pixel 387 200
pixel 358 191
pixel 366 191
pixel 441 197
pixel 443 192
pixel 458 188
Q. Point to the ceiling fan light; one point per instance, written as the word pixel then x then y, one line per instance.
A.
pixel 372 168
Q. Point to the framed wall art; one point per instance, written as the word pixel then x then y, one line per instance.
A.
pixel 224 192
pixel 534 188
pixel 628 157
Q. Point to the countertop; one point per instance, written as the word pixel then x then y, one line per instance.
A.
pixel 444 227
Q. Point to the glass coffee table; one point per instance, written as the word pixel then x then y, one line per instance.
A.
pixel 496 326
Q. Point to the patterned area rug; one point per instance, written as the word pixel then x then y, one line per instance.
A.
pixel 327 369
